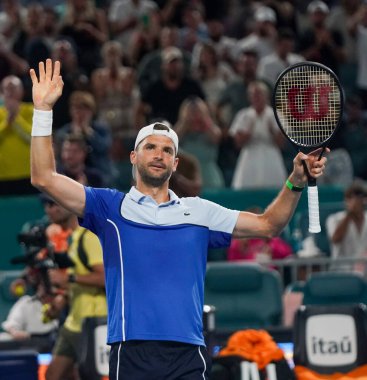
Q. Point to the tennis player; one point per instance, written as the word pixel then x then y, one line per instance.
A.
pixel 155 244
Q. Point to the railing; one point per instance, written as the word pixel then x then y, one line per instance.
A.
pixel 300 268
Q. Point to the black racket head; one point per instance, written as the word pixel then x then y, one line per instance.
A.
pixel 308 104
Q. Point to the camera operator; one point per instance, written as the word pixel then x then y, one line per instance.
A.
pixel 45 243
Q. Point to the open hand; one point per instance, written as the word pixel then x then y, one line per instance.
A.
pixel 48 87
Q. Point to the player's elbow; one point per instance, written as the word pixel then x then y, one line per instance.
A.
pixel 41 182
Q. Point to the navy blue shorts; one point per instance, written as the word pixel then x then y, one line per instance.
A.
pixel 158 360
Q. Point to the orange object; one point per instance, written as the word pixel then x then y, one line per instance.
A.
pixel 253 345
pixel 303 373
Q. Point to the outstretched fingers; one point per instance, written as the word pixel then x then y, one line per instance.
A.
pixel 41 70
pixel 48 69
pixel 57 67
pixel 33 76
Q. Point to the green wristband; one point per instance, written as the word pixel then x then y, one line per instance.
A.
pixel 290 186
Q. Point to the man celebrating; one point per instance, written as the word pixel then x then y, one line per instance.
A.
pixel 154 243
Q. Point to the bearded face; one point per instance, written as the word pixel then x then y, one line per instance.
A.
pixel 154 160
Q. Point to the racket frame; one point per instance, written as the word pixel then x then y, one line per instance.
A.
pixel 314 219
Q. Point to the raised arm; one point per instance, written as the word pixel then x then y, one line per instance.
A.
pixel 46 91
pixel 280 211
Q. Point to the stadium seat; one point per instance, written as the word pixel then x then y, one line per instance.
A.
pixel 330 339
pixel 19 365
pixel 244 295
pixel 335 288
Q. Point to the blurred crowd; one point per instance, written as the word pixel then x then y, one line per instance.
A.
pixel 205 67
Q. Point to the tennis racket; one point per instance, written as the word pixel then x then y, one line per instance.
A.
pixel 308 106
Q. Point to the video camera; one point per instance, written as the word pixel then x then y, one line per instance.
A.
pixel 39 254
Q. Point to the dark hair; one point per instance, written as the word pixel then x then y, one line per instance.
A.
pixel 356 189
pixel 285 34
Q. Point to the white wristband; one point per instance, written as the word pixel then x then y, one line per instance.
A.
pixel 42 123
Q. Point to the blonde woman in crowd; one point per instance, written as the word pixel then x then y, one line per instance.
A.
pixel 254 129
pixel 200 136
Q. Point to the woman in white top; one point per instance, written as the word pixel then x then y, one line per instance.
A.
pixel 254 129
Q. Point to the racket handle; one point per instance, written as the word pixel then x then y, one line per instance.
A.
pixel 313 209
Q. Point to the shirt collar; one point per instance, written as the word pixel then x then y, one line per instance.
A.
pixel 141 198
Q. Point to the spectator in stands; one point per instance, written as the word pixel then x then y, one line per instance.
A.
pixel 96 134
pixel 231 100
pixel 116 93
pixel 262 38
pixel 15 135
pixel 87 26
pixel 234 97
pixel 31 43
pixel 342 16
pixel 10 63
pixel 144 39
pixel 273 64
pixel 73 76
pixel 194 29
pixel 74 152
pixel 212 74
pixel 187 180
pixel 12 16
pixel 163 98
pixel 258 249
pixel 347 229
pixel 25 318
pixel 127 17
pixel 358 29
pixel 149 68
pixel 222 44
pixel 319 43
pixel 256 133
pixel 200 137
pixel 352 135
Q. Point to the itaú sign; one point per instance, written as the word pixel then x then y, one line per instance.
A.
pixel 331 340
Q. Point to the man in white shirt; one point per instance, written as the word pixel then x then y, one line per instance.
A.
pixel 347 229
pixel 273 64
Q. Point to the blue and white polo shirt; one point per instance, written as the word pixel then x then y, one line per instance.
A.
pixel 155 261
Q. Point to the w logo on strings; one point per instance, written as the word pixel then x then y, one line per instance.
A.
pixel 301 102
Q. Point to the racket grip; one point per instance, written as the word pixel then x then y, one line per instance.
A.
pixel 313 209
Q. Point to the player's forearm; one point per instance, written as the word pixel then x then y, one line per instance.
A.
pixel 43 165
pixel 281 210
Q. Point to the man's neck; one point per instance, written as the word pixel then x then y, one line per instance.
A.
pixel 159 194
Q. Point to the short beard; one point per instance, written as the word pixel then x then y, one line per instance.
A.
pixel 153 181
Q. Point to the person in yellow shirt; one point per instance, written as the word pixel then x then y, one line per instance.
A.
pixel 15 136
pixel 84 285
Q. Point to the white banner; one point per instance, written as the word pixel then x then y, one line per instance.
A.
pixel 331 340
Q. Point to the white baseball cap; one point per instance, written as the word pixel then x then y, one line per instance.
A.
pixel 317 6
pixel 157 129
pixel 265 14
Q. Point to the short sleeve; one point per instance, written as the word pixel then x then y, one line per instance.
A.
pixel 97 207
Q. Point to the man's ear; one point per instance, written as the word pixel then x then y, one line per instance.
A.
pixel 133 157
pixel 175 164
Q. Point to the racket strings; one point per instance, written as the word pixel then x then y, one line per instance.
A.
pixel 308 104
